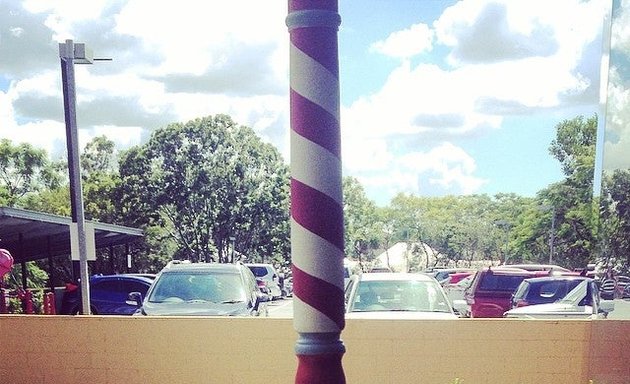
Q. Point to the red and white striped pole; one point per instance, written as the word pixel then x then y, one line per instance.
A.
pixel 317 248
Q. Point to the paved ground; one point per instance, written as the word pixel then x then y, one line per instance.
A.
pixel 622 310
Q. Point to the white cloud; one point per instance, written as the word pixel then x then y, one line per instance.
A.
pixel 178 61
pixel 406 43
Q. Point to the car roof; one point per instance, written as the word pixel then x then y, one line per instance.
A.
pixel 394 276
pixel 259 265
pixel 126 276
pixel 507 271
pixel 537 267
pixel 201 267
pixel 556 278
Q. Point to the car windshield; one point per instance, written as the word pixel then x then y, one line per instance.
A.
pixel 403 295
pixel 576 295
pixel 203 287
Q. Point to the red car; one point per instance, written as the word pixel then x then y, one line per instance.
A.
pixel 490 293
pixel 459 276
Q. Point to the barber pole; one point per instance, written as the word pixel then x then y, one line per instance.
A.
pixel 316 194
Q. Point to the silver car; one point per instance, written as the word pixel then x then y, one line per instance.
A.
pixel 396 296
pixel 582 302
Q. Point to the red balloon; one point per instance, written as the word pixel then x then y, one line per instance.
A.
pixel 6 262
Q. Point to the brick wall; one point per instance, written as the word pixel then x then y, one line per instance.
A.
pixel 95 349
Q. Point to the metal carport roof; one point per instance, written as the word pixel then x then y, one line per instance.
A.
pixel 30 235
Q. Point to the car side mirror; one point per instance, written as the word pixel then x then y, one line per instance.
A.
pixel 134 298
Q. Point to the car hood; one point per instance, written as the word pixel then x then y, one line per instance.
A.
pixel 549 310
pixel 404 315
pixel 194 309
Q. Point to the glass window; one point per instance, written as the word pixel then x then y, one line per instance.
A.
pixel 507 283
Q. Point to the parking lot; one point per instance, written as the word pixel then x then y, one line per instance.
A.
pixel 284 309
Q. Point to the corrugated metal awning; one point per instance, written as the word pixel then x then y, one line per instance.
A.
pixel 30 235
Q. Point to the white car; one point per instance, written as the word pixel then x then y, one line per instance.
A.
pixel 396 296
pixel 268 273
pixel 582 302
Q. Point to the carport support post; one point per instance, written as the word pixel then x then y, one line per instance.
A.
pixel 316 195
pixel 66 53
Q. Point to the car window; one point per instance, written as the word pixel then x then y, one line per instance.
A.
pixel 134 286
pixel 577 294
pixel 250 280
pixel 494 282
pixel 551 289
pixel 522 291
pixel 258 271
pixel 405 295
pixel 215 287
pixel 105 286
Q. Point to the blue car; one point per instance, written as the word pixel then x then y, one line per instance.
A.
pixel 108 294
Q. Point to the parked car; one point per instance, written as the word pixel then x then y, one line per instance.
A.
pixel 541 267
pixel 396 296
pixel 451 275
pixel 268 273
pixel 262 285
pixel 490 292
pixel 544 290
pixel 202 289
pixel 108 294
pixel 455 293
pixel 582 302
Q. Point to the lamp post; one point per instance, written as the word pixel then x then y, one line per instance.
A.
pixel 232 239
pixel 552 234
pixel 71 53
pixel 505 225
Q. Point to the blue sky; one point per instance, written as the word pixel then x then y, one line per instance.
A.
pixel 438 97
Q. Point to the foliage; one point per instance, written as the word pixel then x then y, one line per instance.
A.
pixel 615 220
pixel 362 231
pixel 205 182
pixel 194 186
pixel 24 170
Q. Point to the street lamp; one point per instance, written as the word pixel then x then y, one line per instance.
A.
pixel 70 54
pixel 552 234
pixel 505 225
pixel 232 239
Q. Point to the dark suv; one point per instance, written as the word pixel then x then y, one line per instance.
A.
pixel 108 294
pixel 202 289
pixel 490 293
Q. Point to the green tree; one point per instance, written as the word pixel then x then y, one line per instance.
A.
pixel 24 170
pixel 361 229
pixel 568 203
pixel 615 220
pixel 205 182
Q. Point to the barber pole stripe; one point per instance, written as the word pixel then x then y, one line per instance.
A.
pixel 316 194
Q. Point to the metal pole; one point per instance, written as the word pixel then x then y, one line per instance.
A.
pixel 552 234
pixel 66 53
pixel 317 247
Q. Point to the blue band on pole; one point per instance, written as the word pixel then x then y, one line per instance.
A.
pixel 313 18
pixel 318 343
